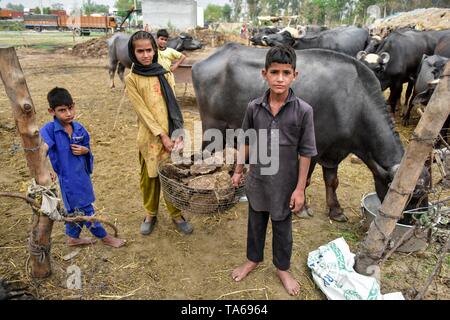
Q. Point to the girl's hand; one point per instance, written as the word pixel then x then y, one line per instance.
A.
pixel 167 143
pixel 78 150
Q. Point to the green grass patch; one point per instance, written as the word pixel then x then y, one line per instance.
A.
pixel 349 235
pixel 11 26
pixel 32 39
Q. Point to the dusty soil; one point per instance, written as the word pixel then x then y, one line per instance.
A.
pixel 94 48
pixel 420 19
pixel 166 264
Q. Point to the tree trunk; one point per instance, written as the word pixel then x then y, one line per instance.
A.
pixel 406 177
pixel 35 153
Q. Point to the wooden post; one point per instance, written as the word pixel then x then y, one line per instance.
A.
pixel 406 177
pixel 35 153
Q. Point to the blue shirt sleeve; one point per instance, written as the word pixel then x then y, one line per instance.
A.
pixel 89 156
pixel 47 134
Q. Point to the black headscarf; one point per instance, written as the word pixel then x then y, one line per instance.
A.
pixel 156 70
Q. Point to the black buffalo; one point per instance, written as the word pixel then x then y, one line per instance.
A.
pixel 118 51
pixel 308 31
pixel 348 40
pixel 373 44
pixel 397 59
pixel 430 70
pixel 257 35
pixel 443 47
pixel 184 42
pixel 350 114
pixel 314 28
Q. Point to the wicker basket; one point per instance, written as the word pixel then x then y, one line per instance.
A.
pixel 196 200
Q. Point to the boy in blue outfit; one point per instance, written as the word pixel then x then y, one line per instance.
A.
pixel 72 160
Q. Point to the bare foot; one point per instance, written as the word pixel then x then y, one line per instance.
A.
pixel 290 284
pixel 241 272
pixel 113 242
pixel 80 241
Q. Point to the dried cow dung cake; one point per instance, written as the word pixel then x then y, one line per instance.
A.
pixel 216 159
pixel 205 182
pixel 224 190
pixel 202 168
pixel 183 162
pixel 201 186
pixel 171 171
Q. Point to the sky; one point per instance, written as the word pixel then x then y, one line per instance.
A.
pixel 69 3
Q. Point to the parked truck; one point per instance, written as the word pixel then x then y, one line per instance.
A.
pixel 40 22
pixel 84 25
pixel 6 14
pixel 80 25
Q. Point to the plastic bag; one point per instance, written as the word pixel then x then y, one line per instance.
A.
pixel 332 270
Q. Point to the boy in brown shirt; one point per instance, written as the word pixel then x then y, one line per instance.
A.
pixel 286 124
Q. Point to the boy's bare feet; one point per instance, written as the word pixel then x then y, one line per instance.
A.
pixel 243 270
pixel 290 284
pixel 113 242
pixel 80 241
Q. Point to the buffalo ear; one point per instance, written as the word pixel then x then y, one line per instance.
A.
pixel 440 64
pixel 301 31
pixel 384 57
pixel 361 55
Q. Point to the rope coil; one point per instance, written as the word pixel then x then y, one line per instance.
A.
pixel 33 149
pixel 40 251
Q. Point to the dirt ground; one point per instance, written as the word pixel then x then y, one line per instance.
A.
pixel 166 264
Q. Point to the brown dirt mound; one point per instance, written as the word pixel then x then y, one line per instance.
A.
pixel 420 19
pixel 210 37
pixel 94 48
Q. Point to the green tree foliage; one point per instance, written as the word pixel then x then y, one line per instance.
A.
pixel 237 9
pixel 226 12
pixel 329 12
pixel 254 8
pixel 15 7
pixel 90 7
pixel 37 10
pixel 213 13
pixel 124 5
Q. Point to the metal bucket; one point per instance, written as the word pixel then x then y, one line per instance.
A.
pixel 369 208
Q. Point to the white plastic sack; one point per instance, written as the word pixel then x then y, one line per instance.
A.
pixel 332 270
pixel 49 206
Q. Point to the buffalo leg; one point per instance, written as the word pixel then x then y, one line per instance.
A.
pixel 211 129
pixel 408 108
pixel 112 71
pixel 121 71
pixel 394 97
pixel 409 91
pixel 331 183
